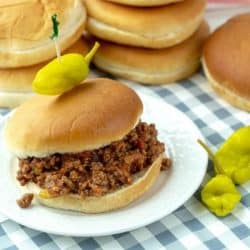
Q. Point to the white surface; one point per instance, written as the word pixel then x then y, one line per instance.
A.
pixel 218 15
pixel 170 191
pixel 2 218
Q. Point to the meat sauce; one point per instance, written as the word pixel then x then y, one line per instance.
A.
pixel 95 172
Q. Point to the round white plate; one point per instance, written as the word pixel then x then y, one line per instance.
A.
pixel 170 191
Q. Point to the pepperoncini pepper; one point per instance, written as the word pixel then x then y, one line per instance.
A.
pixel 64 72
pixel 62 75
pixel 219 194
pixel 234 156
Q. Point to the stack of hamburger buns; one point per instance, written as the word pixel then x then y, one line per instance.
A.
pixel 25 45
pixel 152 42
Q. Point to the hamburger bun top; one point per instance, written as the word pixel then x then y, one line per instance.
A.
pixel 87 117
pixel 227 55
pixel 26 27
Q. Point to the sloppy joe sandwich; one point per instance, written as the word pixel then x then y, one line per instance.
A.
pixel 154 27
pixel 16 83
pixel 26 27
pixel 85 150
pixel 153 66
pixel 226 57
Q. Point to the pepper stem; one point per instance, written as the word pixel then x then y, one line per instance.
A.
pixel 217 167
pixel 55 25
pixel 92 52
pixel 55 35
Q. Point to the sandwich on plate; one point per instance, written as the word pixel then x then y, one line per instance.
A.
pixel 86 149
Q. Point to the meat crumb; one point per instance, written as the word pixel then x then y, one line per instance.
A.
pixel 166 164
pixel 25 200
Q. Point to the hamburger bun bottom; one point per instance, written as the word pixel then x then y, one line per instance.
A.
pixel 19 80
pixel 182 72
pixel 111 201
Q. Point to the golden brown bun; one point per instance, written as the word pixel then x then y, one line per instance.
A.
pixel 26 27
pixel 87 117
pixel 147 3
pixel 226 93
pixel 20 79
pixel 153 66
pixel 226 57
pixel 156 27
pixel 111 201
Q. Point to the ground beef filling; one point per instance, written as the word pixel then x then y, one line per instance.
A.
pixel 95 172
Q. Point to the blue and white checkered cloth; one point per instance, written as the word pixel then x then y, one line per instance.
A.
pixel 192 226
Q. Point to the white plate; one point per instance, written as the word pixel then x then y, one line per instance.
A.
pixel 170 191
